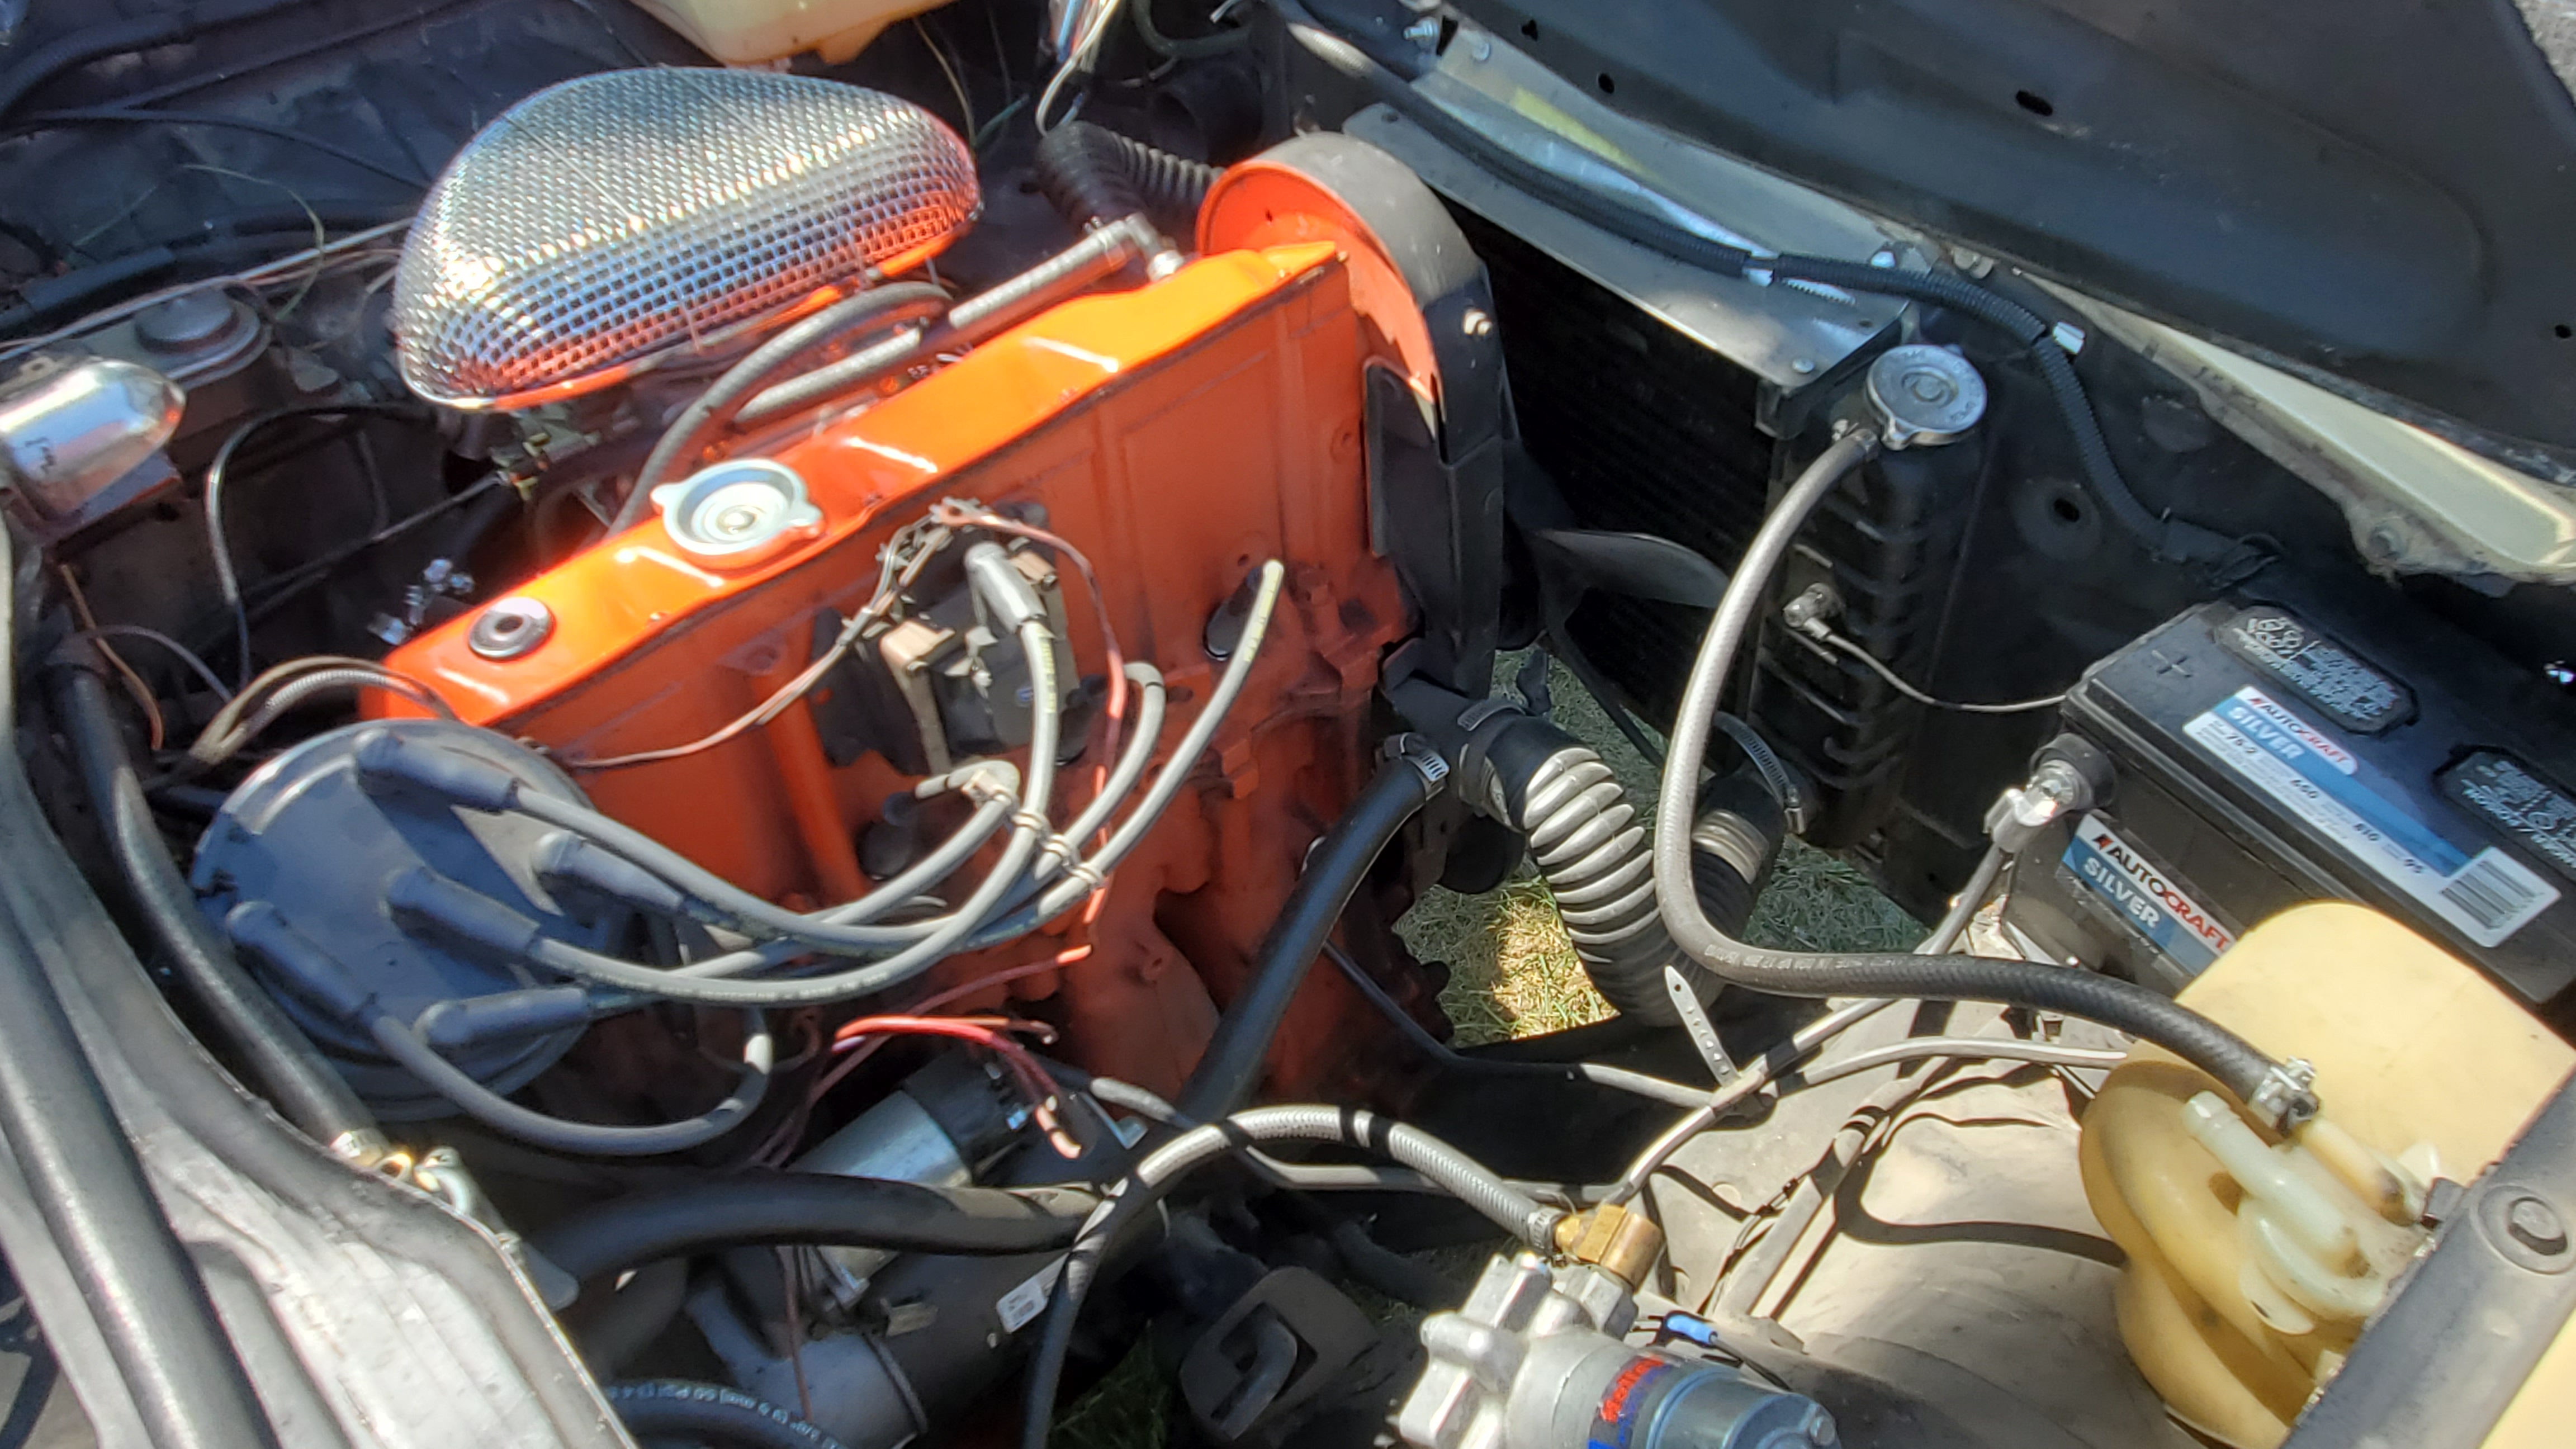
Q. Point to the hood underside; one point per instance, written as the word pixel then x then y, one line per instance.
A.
pixel 2371 191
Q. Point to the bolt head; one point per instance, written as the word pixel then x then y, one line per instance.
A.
pixel 2537 1226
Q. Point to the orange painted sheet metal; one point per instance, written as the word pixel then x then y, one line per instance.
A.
pixel 609 599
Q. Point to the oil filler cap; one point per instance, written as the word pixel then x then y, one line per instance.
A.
pixel 1924 396
pixel 737 512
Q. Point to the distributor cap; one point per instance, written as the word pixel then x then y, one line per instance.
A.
pixel 306 846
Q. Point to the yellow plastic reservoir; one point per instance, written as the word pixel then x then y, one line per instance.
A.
pixel 755 32
pixel 2252 1262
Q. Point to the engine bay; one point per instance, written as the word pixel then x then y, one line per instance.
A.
pixel 726 711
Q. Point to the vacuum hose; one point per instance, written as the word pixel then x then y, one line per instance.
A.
pixel 1095 176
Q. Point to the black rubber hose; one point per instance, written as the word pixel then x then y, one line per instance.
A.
pixel 1231 1066
pixel 2237 1064
pixel 2166 538
pixel 151 1307
pixel 1095 176
pixel 703 421
pixel 818 1209
pixel 623 1324
pixel 478 521
pixel 123 37
pixel 679 1410
pixel 1160 1171
pixel 281 1060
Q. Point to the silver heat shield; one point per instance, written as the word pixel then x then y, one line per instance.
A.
pixel 611 222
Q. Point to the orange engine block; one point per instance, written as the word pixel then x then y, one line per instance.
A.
pixel 1178 434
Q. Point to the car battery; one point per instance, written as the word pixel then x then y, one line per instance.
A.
pixel 2268 751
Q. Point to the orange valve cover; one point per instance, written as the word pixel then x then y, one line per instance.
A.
pixel 1179 435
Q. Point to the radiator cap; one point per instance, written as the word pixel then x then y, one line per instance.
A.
pixel 1924 396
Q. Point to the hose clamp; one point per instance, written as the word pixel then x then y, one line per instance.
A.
pixel 1485 721
pixel 1416 751
pixel 2287 1097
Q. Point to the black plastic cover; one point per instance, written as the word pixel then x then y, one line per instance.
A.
pixel 312 839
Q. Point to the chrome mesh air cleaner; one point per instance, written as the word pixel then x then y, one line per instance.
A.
pixel 600 225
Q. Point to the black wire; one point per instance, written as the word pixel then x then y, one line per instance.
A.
pixel 2164 537
pixel 124 36
pixel 227 575
pixel 1418 1034
pixel 116 116
pixel 275 58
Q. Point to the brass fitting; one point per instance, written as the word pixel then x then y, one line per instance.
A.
pixel 1620 1243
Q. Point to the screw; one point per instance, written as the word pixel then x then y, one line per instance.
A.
pixel 1803 366
pixel 1479 48
pixel 1476 323
pixel 2536 1225
pixel 1883 259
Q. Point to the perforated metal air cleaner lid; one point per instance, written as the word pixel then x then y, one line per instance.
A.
pixel 602 223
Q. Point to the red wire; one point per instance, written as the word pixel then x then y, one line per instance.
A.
pixel 839 1072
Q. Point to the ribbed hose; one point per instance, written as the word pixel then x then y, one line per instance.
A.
pixel 1095 176
pixel 1592 848
pixel 1516 1212
pixel 1735 840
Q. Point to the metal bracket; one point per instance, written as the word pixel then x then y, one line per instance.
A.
pixel 1703 1033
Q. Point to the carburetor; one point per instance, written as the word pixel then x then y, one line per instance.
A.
pixel 1538 1359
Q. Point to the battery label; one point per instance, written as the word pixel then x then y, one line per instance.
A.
pixel 2144 896
pixel 2486 895
pixel 2334 679
pixel 2518 801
